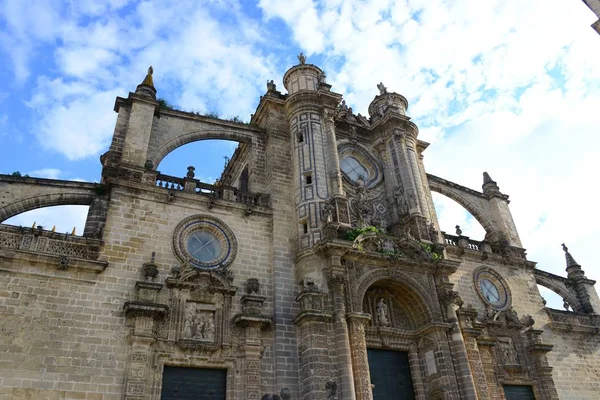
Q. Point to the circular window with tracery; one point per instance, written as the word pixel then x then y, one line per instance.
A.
pixel 492 288
pixel 357 164
pixel 205 242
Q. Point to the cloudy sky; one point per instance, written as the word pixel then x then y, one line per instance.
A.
pixel 511 87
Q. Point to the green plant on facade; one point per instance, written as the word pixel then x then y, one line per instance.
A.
pixel 430 250
pixel 356 232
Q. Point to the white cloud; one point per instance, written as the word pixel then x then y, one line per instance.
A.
pixel 49 173
pixel 510 87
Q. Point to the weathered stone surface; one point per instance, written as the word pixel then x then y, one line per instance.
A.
pixel 321 257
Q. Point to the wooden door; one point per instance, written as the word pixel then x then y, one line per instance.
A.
pixel 390 373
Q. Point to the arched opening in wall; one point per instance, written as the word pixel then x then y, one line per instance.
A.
pixel 63 219
pixel 209 159
pixel 552 299
pixel 450 214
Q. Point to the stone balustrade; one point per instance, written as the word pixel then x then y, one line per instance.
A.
pixel 48 242
pixel 222 192
pixel 465 242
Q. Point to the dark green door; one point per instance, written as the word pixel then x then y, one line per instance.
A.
pixel 193 384
pixel 390 373
pixel 518 392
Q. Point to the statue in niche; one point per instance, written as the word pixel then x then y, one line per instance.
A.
pixel 198 324
pixel 383 318
pixel 401 204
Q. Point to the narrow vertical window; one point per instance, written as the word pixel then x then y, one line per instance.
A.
pixel 305 227
pixel 308 179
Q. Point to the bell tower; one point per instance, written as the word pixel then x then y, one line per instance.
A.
pixel 405 183
pixel 310 107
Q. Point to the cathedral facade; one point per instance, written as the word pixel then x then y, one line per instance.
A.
pixel 313 269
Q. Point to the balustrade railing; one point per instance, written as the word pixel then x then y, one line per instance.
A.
pixel 216 191
pixel 486 247
pixel 170 182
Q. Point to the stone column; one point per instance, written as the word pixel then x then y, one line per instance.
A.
pixel 360 360
pixel 333 159
pixel 486 351
pixel 471 329
pixel 312 323
pixel 458 348
pixel 343 353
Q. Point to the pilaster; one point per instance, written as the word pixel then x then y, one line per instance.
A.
pixel 360 360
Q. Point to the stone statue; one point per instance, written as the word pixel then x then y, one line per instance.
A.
pixel 382 88
pixel 321 79
pixel 458 230
pixel 401 203
pixel 271 87
pixel 382 313
pixel 188 329
pixel 433 233
pixel 327 213
pixel 353 133
pixel 301 58
pixel 343 105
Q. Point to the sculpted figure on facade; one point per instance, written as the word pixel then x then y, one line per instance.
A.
pixel 383 318
pixel 401 203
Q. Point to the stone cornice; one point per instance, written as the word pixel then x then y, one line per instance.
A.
pixel 29 257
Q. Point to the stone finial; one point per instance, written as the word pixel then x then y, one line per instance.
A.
pixel 149 269
pixel 148 79
pixel 382 88
pixel 302 58
pixel 571 263
pixel 252 286
pixel 146 88
pixel 190 173
pixel 490 188
pixel 487 178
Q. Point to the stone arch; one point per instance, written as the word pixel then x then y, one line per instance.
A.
pixel 173 143
pixel 413 295
pixel 45 200
pixel 560 290
pixel 463 201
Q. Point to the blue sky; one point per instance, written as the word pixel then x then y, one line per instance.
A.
pixel 511 87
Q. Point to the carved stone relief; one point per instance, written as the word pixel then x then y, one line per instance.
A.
pixel 199 322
